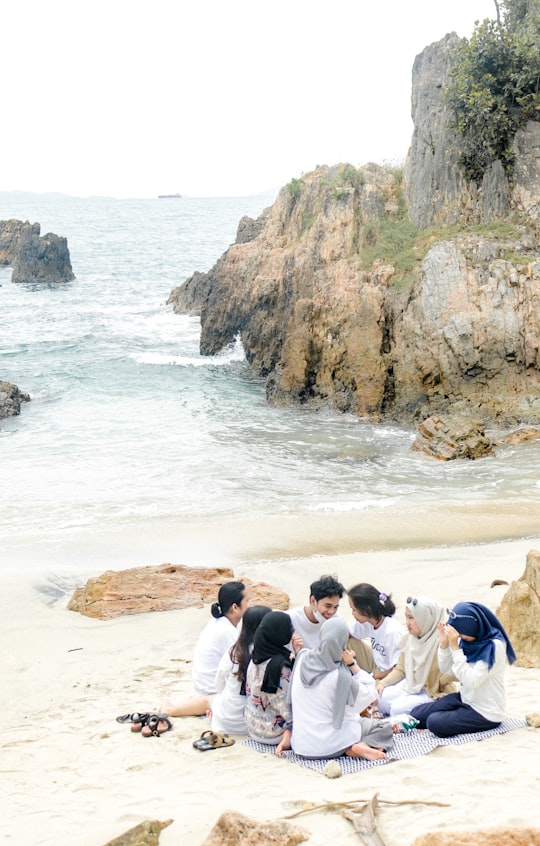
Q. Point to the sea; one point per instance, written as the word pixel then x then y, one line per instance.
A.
pixel 135 449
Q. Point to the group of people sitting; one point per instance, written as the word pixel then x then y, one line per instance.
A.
pixel 304 679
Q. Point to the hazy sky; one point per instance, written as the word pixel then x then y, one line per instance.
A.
pixel 207 97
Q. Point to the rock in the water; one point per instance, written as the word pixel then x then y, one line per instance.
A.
pixel 519 612
pixel 163 588
pixel 34 258
pixel 452 437
pixel 11 399
pixel 523 435
pixel 233 828
pixel 145 834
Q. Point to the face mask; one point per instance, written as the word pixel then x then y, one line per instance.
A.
pixel 317 614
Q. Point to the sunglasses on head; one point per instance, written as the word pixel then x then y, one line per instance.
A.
pixel 411 601
pixel 454 616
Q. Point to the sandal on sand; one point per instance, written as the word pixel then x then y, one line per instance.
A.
pixel 137 719
pixel 151 727
pixel 212 740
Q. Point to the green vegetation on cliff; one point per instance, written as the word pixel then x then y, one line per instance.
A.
pixel 495 84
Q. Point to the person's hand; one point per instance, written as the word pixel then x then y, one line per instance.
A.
pixel 297 643
pixel 443 636
pixel 349 656
pixel 379 688
pixel 453 636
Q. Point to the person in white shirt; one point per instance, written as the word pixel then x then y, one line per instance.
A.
pixel 475 647
pixel 324 597
pixel 328 691
pixel 373 612
pixel 217 637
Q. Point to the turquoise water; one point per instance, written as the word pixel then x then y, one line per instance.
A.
pixel 134 445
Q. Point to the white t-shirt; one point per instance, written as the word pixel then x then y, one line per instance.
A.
pixel 228 704
pixel 481 688
pixel 385 641
pixel 216 638
pixel 313 734
pixel 302 625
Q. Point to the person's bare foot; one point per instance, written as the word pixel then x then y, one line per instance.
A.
pixel 284 744
pixel 362 750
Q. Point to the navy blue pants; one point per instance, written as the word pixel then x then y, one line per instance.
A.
pixel 449 716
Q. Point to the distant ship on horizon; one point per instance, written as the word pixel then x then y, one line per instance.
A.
pixel 169 196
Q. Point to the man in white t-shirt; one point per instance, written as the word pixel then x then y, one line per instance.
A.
pixel 324 597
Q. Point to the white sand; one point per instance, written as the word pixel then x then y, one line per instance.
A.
pixel 70 773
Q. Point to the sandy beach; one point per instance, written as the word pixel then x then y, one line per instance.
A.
pixel 70 772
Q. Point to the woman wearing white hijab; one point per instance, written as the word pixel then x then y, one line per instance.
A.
pixel 328 692
pixel 416 679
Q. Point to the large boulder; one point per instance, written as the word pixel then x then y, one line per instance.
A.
pixel 519 612
pixel 163 588
pixel 10 400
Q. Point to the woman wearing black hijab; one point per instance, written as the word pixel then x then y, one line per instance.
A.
pixel 268 710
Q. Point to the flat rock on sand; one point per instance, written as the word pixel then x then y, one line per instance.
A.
pixel 484 837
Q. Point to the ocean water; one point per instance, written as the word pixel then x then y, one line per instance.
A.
pixel 135 449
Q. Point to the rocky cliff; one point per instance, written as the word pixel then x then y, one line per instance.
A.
pixel 342 295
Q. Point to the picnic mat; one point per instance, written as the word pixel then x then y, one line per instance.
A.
pixel 407 744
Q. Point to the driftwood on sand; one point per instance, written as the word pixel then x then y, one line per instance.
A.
pixel 361 812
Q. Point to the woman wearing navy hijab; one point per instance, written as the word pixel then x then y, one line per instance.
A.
pixel 474 646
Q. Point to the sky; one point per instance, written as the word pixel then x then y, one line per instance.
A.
pixel 127 98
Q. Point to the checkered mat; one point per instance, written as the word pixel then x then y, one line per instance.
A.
pixel 408 744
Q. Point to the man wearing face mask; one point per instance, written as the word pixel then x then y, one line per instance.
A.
pixel 324 597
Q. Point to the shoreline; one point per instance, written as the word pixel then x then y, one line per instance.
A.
pixel 238 541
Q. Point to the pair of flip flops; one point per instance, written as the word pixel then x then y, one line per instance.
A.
pixel 153 723
pixel 212 740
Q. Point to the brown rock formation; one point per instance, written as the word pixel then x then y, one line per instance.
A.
pixel 233 828
pixel 452 437
pixel 336 307
pixel 34 258
pixel 481 837
pixel 519 613
pixel 145 834
pixel 11 399
pixel 163 588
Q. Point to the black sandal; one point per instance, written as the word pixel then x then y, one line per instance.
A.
pixel 137 719
pixel 153 722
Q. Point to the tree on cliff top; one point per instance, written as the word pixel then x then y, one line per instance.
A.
pixel 495 84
